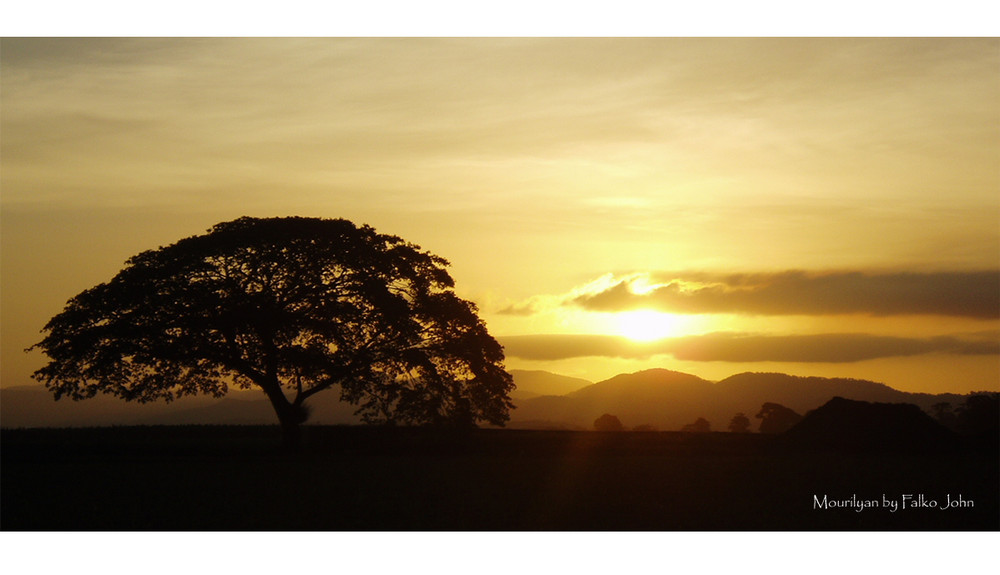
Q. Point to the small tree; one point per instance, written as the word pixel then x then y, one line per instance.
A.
pixel 979 414
pixel 701 425
pixel 293 306
pixel 740 423
pixel 776 418
pixel 608 422
pixel 944 415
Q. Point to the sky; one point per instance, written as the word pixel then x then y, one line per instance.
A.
pixel 813 206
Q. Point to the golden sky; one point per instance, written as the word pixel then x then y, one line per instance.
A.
pixel 810 206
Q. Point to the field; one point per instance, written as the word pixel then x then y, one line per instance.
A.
pixel 234 478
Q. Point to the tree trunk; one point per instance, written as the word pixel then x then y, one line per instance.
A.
pixel 289 416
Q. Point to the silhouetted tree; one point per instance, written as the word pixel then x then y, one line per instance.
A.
pixel 294 306
pixel 740 423
pixel 980 414
pixel 701 425
pixel 608 422
pixel 776 418
pixel 944 415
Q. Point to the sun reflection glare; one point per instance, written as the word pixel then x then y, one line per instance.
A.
pixel 647 325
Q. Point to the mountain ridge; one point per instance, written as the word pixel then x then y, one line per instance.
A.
pixel 662 398
pixel 536 383
pixel 668 400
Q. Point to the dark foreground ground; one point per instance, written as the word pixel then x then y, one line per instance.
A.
pixel 361 479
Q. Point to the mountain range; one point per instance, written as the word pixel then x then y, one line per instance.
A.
pixel 666 400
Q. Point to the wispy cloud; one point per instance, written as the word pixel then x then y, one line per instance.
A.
pixel 820 348
pixel 444 112
pixel 742 347
pixel 519 309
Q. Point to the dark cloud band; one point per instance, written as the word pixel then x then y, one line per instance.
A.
pixel 974 294
pixel 737 347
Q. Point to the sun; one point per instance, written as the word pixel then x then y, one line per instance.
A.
pixel 646 325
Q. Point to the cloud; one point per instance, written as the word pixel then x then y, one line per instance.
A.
pixel 519 309
pixel 746 348
pixel 544 303
pixel 553 347
pixel 819 348
pixel 972 294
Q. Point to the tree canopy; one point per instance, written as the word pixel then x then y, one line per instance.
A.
pixel 608 422
pixel 294 306
pixel 701 425
pixel 776 418
pixel 740 423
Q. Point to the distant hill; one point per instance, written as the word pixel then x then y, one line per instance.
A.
pixel 536 383
pixel 669 400
pixel 665 399
pixel 34 406
pixel 804 393
pixel 863 426
pixel 656 397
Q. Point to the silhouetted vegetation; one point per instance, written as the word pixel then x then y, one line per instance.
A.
pixel 608 422
pixel 860 426
pixel 669 399
pixel 740 423
pixel 944 415
pixel 776 418
pixel 293 306
pixel 701 425
pixel 979 415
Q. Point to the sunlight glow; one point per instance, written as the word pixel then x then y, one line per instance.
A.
pixel 647 325
pixel 642 285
